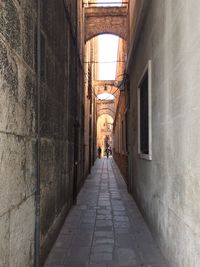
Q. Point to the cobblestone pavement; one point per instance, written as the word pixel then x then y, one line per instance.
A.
pixel 105 228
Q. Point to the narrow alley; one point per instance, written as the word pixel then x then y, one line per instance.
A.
pixel 99 133
pixel 105 228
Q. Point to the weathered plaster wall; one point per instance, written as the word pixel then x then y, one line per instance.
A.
pixel 167 188
pixel 17 133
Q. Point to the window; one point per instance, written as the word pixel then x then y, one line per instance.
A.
pixel 144 114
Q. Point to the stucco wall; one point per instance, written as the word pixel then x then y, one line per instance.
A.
pixel 167 188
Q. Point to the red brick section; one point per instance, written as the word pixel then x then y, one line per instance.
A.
pixel 100 20
pixel 122 162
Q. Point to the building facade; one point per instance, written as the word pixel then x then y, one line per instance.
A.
pixel 120 128
pixel 163 119
pixel 91 72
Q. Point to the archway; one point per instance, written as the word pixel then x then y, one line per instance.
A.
pixel 111 20
pixel 104 132
pixel 105 96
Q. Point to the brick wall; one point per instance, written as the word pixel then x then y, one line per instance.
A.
pixel 122 163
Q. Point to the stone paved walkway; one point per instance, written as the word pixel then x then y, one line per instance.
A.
pixel 105 228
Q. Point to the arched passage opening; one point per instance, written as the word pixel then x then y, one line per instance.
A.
pixel 104 132
pixel 107 56
pixel 105 96
pixel 104 70
pixel 102 58
pixel 106 19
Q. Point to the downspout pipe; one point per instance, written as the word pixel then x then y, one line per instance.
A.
pixel 37 191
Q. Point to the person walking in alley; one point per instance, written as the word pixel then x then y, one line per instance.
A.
pixel 99 152
pixel 107 152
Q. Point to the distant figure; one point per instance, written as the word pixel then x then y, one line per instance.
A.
pixel 107 152
pixel 99 152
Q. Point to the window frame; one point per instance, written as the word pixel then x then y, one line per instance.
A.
pixel 148 71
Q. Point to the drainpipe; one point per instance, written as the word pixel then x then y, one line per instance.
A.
pixel 37 191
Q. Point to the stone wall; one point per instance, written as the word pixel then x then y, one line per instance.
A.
pixel 167 188
pixel 17 133
pixel 59 116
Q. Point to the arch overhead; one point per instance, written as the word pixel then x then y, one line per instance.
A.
pixel 100 20
pixel 104 86
pixel 106 107
pixel 106 111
